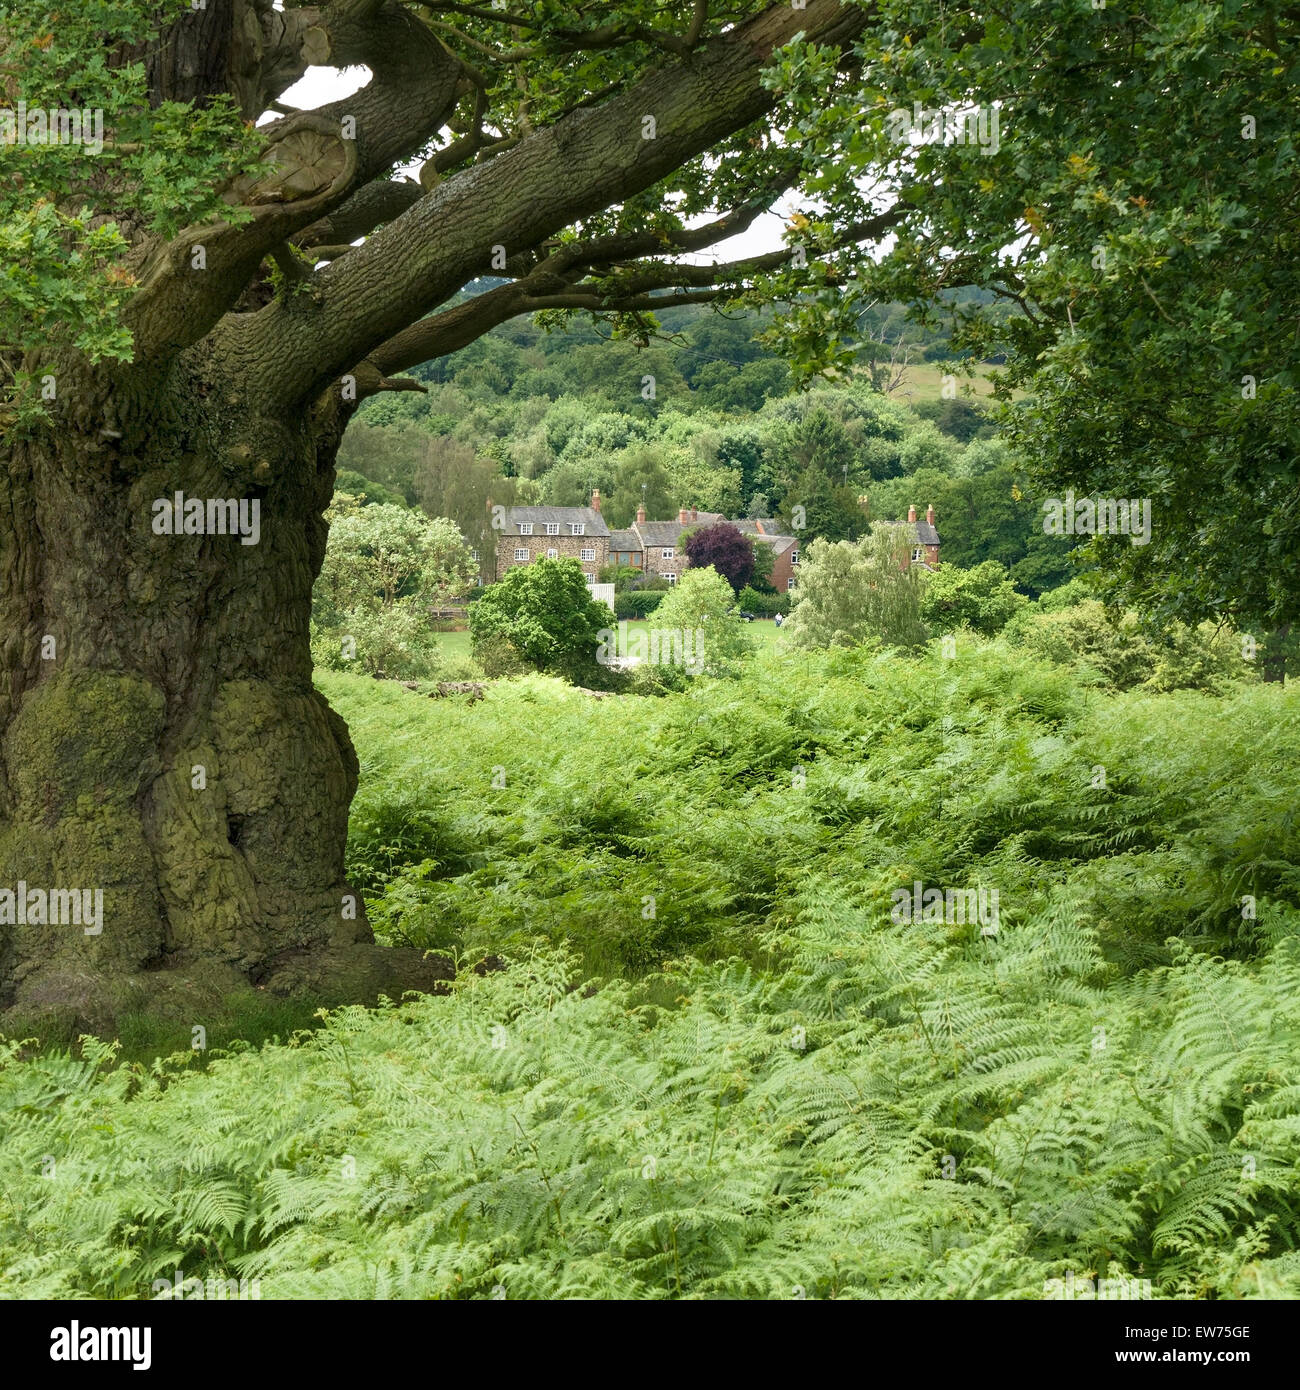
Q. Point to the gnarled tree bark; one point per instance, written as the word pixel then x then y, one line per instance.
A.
pixel 160 737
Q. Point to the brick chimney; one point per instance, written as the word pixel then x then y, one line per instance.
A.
pixel 929 514
pixel 682 516
pixel 695 516
pixel 595 500
pixel 640 514
pixel 911 514
pixel 759 524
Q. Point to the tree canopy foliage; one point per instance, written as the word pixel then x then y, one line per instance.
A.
pixel 1134 203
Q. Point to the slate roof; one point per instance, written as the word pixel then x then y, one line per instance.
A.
pixel 668 532
pixel 779 544
pixel 925 533
pixel 663 532
pixel 769 526
pixel 624 540
pixel 592 519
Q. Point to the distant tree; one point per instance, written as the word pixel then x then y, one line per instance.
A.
pixel 622 577
pixel 989 515
pixel 814 508
pixel 1127 653
pixel 383 555
pixel 958 417
pixel 640 477
pixel 726 549
pixel 818 439
pixel 367 492
pixel 983 599
pixel 388 454
pixel 764 559
pixel 572 481
pixel 703 603
pixel 852 592
pixel 385 568
pixel 741 447
pixel 545 613
pixel 453 480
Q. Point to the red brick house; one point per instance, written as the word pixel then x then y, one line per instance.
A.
pixel 784 548
pixel 654 547
pixel 925 551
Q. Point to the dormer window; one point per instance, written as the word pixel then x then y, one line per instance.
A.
pixel 552 528
pixel 577 528
pixel 525 528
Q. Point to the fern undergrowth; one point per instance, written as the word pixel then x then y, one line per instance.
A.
pixel 715 1067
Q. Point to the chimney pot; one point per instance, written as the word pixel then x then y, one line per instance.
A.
pixel 681 516
pixel 929 514
pixel 911 514
pixel 595 499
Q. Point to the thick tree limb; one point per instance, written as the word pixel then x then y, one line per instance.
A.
pixel 558 283
pixel 374 203
pixel 587 161
pixel 315 160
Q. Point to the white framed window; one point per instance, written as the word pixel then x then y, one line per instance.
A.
pixel 918 553
pixel 791 583
pixel 587 552
pixel 671 578
pixel 552 554
pixel 525 528
pixel 794 557
pixel 552 528
pixel 590 578
pixel 577 528
pixel 666 553
pixel 478 583
pixel 473 555
pixel 521 553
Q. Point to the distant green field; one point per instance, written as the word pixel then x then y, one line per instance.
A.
pixel 762 630
pixel 455 644
pixel 923 381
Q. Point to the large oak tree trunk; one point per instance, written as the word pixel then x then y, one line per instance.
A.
pixel 160 738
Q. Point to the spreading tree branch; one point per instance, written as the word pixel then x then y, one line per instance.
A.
pixel 587 161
